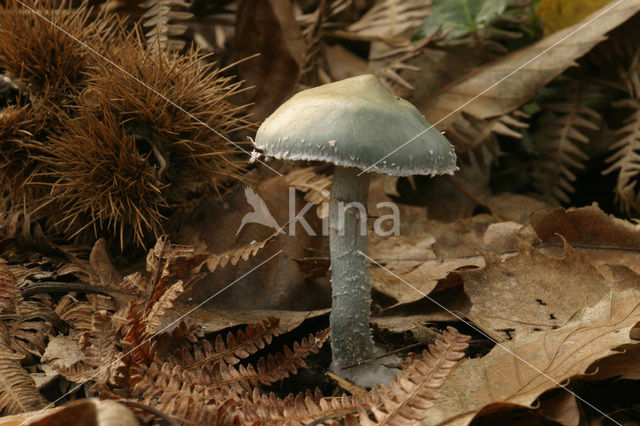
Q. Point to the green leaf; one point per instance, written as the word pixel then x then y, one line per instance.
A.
pixel 461 17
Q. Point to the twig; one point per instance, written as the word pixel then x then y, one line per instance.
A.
pixel 61 287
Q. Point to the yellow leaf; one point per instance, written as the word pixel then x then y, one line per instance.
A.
pixel 558 14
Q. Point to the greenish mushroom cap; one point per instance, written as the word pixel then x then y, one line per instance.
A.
pixel 354 123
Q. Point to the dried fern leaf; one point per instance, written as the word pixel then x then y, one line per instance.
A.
pixel 411 394
pixel 18 393
pixel 294 410
pixel 316 187
pixel 626 158
pixel 236 346
pixel 29 327
pixel 163 16
pixel 268 370
pixel 141 345
pixel 160 307
pixel 391 17
pixel 468 132
pixel 78 314
pixel 563 127
pixel 233 256
pixel 8 291
pixel 100 350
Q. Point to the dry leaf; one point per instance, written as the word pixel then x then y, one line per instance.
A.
pixel 423 260
pixel 91 411
pixel 62 352
pixel 531 291
pixel 545 358
pixel 558 14
pixel 269 28
pixel 602 238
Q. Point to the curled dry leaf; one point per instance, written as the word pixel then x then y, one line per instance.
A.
pixel 602 238
pixel 85 411
pixel 543 360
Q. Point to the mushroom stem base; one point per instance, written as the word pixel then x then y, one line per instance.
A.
pixel 351 340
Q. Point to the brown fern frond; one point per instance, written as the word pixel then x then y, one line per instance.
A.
pixel 38 53
pixel 100 349
pixel 626 158
pixel 563 127
pixel 236 346
pixel 412 393
pixel 468 132
pixel 30 325
pixel 316 187
pixel 128 373
pixel 161 305
pixel 78 314
pixel 167 21
pixel 267 371
pixel 169 389
pixel 233 256
pixel 390 18
pixel 184 337
pixel 138 339
pixel 8 291
pixel 18 393
pixel 297 409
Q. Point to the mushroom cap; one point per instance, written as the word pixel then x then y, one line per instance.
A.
pixel 356 122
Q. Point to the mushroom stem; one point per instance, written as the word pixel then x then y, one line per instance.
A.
pixel 351 340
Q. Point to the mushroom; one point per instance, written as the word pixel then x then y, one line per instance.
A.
pixel 360 127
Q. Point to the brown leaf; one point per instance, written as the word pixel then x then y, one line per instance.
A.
pixel 91 411
pixel 269 28
pixel 515 90
pixel 531 291
pixel 602 238
pixel 102 265
pixel 586 226
pixel 425 258
pixel 545 358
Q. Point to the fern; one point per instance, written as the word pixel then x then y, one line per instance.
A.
pixel 411 394
pixel 8 291
pixel 267 371
pixel 563 128
pixel 626 159
pixel 236 346
pixel 165 16
pixel 100 347
pixel 18 393
pixel 233 256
